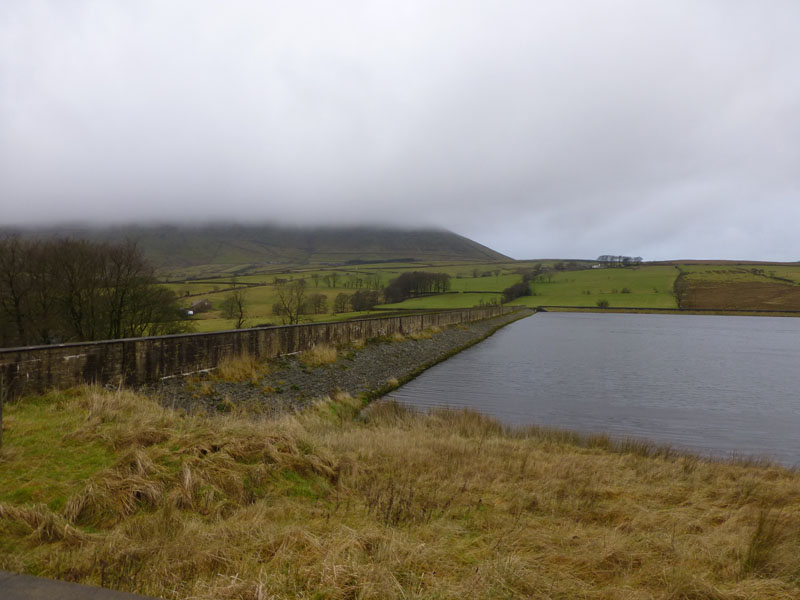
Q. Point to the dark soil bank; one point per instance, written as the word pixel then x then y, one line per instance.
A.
pixel 290 385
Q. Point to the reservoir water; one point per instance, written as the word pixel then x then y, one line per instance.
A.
pixel 718 385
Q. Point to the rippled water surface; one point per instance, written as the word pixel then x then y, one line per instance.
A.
pixel 719 385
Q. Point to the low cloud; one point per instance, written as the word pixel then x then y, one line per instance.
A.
pixel 565 129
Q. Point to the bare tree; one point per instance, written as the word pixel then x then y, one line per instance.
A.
pixel 364 300
pixel 341 303
pixel 291 297
pixel 234 307
pixel 67 290
pixel 317 303
pixel 15 288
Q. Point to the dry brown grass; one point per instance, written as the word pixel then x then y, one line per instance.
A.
pixel 318 355
pixel 242 367
pixel 727 295
pixel 425 334
pixel 391 504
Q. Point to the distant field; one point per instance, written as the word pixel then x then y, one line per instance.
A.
pixel 446 301
pixel 717 286
pixel 758 287
pixel 648 287
pixel 261 292
pixel 259 302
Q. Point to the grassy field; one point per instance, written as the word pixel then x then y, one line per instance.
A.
pixel 262 294
pixel 718 286
pixel 475 283
pixel 649 287
pixel 761 287
pixel 110 488
pixel 743 273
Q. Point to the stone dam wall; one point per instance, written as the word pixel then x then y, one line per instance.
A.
pixel 139 361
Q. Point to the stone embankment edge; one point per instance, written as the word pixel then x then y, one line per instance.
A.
pixel 378 393
pixel 135 362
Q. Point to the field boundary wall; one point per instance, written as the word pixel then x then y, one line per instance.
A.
pixel 140 361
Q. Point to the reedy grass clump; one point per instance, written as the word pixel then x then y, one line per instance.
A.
pixel 337 502
pixel 426 334
pixel 241 367
pixel 319 355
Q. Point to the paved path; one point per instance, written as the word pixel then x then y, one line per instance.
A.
pixel 25 587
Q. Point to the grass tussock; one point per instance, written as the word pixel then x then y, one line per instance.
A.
pixel 346 502
pixel 425 334
pixel 319 355
pixel 241 367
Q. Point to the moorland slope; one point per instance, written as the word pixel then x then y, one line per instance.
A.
pixel 170 246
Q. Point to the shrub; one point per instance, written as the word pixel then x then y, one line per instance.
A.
pixel 602 304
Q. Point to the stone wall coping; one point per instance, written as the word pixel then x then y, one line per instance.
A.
pixel 226 331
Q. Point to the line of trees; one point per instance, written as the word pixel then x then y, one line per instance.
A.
pixel 416 283
pixel 611 260
pixel 294 301
pixel 518 290
pixel 56 291
pixel 358 301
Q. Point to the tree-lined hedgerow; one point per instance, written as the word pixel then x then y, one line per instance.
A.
pixel 516 291
pixel 416 283
pixel 55 291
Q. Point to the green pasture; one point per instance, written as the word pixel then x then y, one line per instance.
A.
pixel 258 307
pixel 484 284
pixel 446 301
pixel 649 287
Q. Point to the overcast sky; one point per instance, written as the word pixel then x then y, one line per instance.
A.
pixel 665 129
